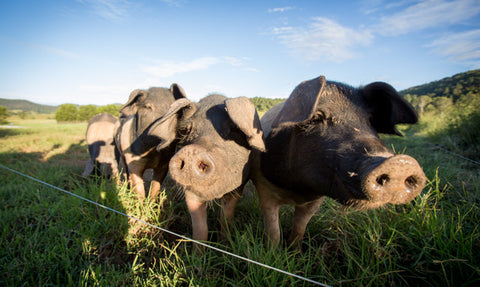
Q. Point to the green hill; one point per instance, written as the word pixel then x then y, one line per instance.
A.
pixel 459 90
pixel 27 106
pixel 451 87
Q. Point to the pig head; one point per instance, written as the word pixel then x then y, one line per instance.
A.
pixel 323 141
pixel 137 144
pixel 216 136
pixel 100 136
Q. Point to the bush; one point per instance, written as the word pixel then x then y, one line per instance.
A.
pixel 463 135
pixel 109 109
pixel 72 113
pixel 66 113
pixel 3 115
pixel 86 112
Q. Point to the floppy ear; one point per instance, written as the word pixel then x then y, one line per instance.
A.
pixel 177 91
pixel 302 102
pixel 387 108
pixel 130 108
pixel 243 113
pixel 165 128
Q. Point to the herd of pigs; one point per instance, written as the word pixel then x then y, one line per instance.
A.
pixel 322 141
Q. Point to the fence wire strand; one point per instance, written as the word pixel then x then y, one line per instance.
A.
pixel 457 155
pixel 166 230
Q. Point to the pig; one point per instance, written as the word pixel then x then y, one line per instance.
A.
pixel 323 141
pixel 100 136
pixel 216 136
pixel 135 141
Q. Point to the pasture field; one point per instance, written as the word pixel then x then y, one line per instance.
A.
pixel 49 238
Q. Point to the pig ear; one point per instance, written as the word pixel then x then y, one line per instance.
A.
pixel 130 108
pixel 165 128
pixel 302 102
pixel 177 91
pixel 388 108
pixel 182 107
pixel 243 113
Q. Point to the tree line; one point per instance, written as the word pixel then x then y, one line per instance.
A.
pixel 449 111
pixel 441 96
pixel 74 113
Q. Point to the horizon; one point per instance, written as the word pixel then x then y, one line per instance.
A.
pixel 57 105
pixel 98 51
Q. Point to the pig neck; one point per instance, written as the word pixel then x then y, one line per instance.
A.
pixel 139 140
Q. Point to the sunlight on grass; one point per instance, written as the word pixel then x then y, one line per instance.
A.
pixel 50 238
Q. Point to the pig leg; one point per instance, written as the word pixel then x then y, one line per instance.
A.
pixel 229 202
pixel 136 180
pixel 303 214
pixel 198 213
pixel 270 207
pixel 159 174
pixel 89 167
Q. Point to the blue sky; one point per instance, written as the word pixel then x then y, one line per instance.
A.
pixel 98 51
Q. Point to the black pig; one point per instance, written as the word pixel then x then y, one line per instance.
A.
pixel 100 136
pixel 217 135
pixel 134 140
pixel 323 141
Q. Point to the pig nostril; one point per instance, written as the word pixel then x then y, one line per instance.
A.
pixel 202 166
pixel 411 182
pixel 382 179
pixel 182 164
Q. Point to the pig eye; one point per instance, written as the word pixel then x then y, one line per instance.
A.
pixel 185 132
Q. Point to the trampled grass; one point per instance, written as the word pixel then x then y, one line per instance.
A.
pixel 51 238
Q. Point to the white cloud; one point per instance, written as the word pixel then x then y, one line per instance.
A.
pixel 165 69
pixel 168 69
pixel 426 14
pixel 460 47
pixel 279 9
pixel 323 39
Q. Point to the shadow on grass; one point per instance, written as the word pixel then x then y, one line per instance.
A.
pixel 54 237
pixel 8 132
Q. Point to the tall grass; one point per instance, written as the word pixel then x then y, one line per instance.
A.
pixel 50 238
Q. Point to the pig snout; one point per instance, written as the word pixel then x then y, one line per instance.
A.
pixel 192 165
pixel 397 180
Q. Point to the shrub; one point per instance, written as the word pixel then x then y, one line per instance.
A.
pixel 66 113
pixel 3 115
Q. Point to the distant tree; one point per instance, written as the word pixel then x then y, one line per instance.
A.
pixel 66 113
pixel 408 98
pixel 110 109
pixel 442 103
pixel 421 102
pixel 3 115
pixel 86 112
pixel 264 104
pixel 457 91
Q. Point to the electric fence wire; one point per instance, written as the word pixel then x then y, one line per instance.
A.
pixel 166 230
pixel 456 154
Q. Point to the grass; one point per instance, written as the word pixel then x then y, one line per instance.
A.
pixel 50 238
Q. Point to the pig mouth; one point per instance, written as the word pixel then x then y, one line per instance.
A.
pixel 207 193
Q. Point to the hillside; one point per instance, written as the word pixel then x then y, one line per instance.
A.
pixel 27 106
pixel 451 87
pixel 436 94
